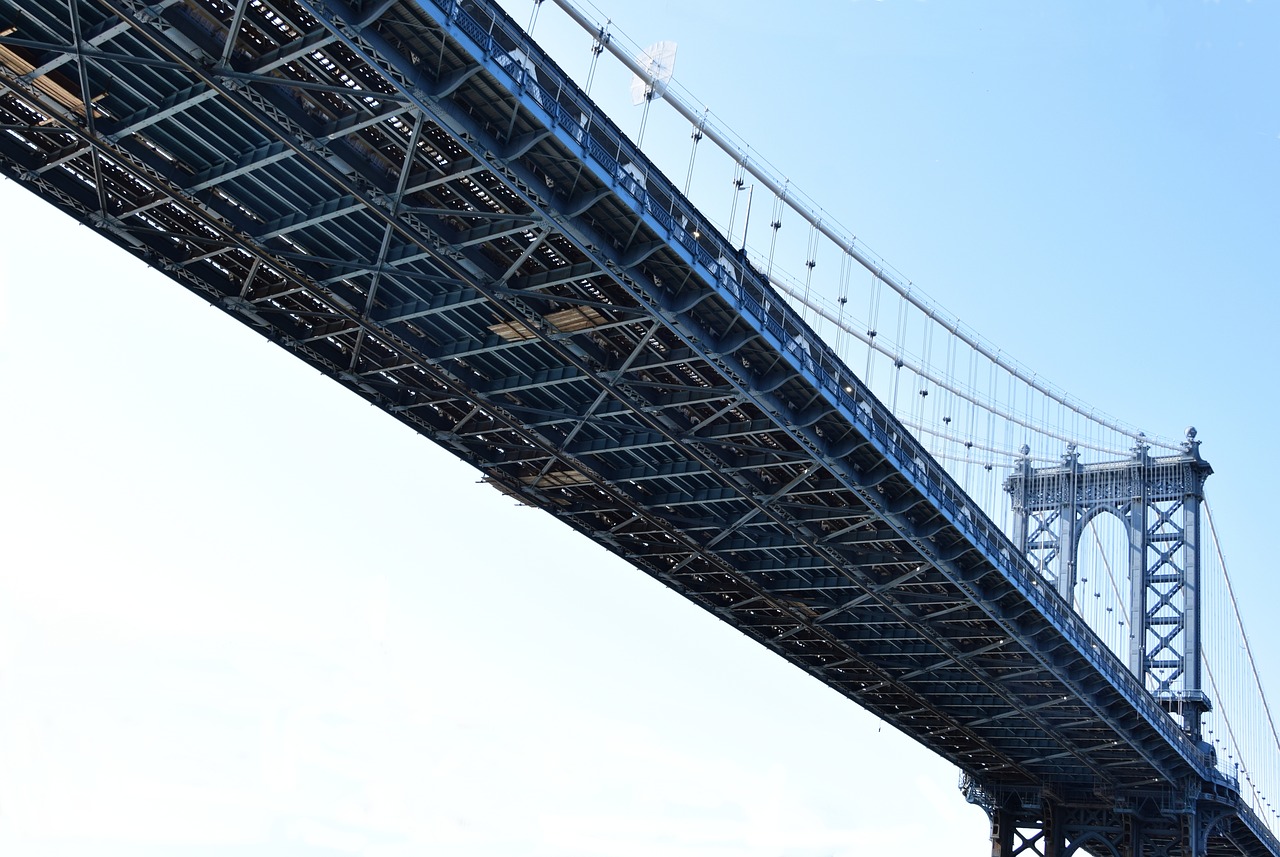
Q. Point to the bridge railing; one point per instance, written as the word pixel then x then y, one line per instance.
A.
pixel 571 111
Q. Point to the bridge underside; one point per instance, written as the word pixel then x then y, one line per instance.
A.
pixel 386 191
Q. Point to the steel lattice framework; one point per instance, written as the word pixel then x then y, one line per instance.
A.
pixel 1158 501
pixel 419 203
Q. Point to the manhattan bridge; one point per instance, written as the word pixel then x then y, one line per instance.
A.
pixel 415 199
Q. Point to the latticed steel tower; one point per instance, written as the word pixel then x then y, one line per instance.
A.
pixel 1157 499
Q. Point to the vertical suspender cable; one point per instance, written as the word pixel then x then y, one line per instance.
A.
pixel 696 136
pixel 810 262
pixel 600 39
pixel 1248 649
pixel 775 224
pixel 644 116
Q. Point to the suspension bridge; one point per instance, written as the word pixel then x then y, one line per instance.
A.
pixel 419 202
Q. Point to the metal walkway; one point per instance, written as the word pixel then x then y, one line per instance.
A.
pixel 416 201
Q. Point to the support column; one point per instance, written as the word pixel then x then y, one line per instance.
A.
pixel 1002 825
pixel 1136 521
pixel 1054 841
pixel 1017 487
pixel 1069 524
pixel 1196 701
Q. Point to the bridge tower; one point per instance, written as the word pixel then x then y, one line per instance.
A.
pixel 1157 500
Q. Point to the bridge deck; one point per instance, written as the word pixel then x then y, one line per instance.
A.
pixel 416 201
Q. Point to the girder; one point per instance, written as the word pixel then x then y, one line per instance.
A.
pixel 239 165
pixel 286 53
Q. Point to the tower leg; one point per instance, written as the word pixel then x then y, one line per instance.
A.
pixel 1053 842
pixel 1002 833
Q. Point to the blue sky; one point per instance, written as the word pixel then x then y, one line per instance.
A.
pixel 243 612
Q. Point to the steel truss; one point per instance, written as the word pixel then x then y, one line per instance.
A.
pixel 416 201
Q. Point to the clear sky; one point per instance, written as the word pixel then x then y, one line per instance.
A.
pixel 241 611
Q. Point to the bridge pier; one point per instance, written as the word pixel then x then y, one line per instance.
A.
pixel 1061 831
pixel 1174 822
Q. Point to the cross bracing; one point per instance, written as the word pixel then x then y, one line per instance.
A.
pixel 389 194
